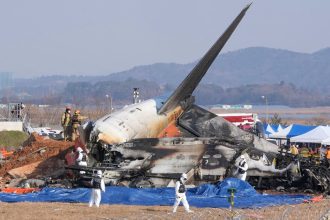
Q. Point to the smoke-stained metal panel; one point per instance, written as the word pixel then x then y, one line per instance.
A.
pixel 203 123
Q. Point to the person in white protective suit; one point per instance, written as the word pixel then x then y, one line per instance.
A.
pixel 180 194
pixel 81 159
pixel 242 168
pixel 97 185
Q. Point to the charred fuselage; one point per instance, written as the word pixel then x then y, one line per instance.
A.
pixel 132 146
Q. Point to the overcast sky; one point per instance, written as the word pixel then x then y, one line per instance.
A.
pixel 43 37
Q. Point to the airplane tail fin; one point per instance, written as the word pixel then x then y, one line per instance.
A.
pixel 188 85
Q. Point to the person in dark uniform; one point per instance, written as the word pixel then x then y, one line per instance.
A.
pixel 65 122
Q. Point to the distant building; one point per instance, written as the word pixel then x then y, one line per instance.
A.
pixel 232 107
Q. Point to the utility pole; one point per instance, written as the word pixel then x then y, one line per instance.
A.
pixel 136 95
pixel 109 99
pixel 266 101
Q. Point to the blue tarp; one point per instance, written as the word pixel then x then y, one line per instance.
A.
pixel 292 131
pixel 299 130
pixel 276 128
pixel 206 195
pixel 269 129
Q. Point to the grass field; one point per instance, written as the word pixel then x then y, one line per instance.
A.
pixel 51 116
pixel 12 138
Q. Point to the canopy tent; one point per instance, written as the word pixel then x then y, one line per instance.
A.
pixel 317 135
pixel 280 128
pixel 272 129
pixel 292 131
pixel 326 141
pixel 282 133
pixel 269 129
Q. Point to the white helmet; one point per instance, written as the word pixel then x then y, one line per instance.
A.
pixel 242 156
pixel 184 176
pixel 79 149
pixel 99 173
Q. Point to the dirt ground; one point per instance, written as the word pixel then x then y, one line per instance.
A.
pixel 54 150
pixel 21 211
pixel 39 156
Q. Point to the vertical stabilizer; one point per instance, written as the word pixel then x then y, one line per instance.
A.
pixel 188 85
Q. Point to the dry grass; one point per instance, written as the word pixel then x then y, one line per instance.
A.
pixel 12 139
pixel 51 116
pixel 271 111
pixel 82 211
pixel 319 115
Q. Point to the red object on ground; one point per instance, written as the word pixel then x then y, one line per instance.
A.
pixel 19 190
pixel 314 199
pixel 70 158
pixel 78 143
pixel 6 153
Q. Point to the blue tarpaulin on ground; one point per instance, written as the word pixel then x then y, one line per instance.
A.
pixel 207 195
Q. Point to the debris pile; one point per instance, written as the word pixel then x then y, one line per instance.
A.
pixel 39 156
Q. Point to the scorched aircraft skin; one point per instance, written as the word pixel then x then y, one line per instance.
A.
pixel 146 119
pixel 132 147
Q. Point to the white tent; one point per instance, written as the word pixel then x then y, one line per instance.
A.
pixel 326 141
pixel 269 130
pixel 317 135
pixel 280 128
pixel 292 131
pixel 282 132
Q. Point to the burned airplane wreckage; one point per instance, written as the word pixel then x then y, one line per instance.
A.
pixel 149 144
